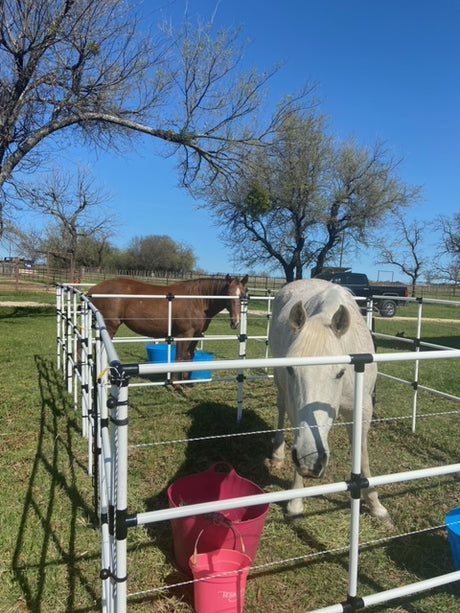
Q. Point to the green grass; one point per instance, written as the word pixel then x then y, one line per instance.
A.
pixel 49 549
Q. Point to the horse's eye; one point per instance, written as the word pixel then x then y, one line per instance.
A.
pixel 290 370
pixel 340 374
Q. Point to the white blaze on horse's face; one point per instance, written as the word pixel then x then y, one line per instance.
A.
pixel 314 394
pixel 236 288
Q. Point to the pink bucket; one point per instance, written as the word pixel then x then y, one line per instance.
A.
pixel 210 485
pixel 220 577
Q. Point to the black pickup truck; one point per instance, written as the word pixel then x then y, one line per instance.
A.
pixel 359 284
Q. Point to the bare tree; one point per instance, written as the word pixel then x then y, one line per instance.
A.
pixel 447 262
pixel 79 68
pixel 75 205
pixel 295 199
pixel 450 234
pixel 404 248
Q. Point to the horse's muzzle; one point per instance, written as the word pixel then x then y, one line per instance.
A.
pixel 308 466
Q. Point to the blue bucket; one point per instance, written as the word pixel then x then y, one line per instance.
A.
pixel 202 356
pixel 452 521
pixel 158 353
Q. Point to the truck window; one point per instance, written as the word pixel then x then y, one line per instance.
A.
pixel 356 279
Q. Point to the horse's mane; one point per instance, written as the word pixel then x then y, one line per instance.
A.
pixel 317 337
pixel 197 286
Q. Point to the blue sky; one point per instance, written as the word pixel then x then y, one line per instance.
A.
pixel 385 70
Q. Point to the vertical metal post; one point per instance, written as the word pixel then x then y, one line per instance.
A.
pixel 85 366
pixel 416 364
pixel 369 312
pixel 103 495
pixel 81 364
pixel 68 342
pixel 269 316
pixel 76 335
pixel 170 299
pixel 242 354
pixel 355 479
pixel 120 491
pixel 59 339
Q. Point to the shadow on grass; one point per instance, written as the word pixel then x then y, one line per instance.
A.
pixel 21 312
pixel 52 485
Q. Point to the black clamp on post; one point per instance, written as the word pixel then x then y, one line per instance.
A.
pixel 112 403
pixel 353 603
pixel 106 573
pixel 356 484
pixel 118 374
pixel 359 360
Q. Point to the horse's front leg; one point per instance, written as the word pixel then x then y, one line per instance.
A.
pixel 277 458
pixel 182 355
pixel 294 507
pixel 370 495
pixel 185 351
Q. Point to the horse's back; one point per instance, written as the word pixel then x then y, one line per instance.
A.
pixel 117 309
pixel 125 285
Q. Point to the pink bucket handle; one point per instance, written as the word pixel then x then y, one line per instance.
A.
pixel 235 532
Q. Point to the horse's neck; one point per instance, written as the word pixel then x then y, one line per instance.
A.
pixel 213 287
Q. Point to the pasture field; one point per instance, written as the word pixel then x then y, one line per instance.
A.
pixel 49 546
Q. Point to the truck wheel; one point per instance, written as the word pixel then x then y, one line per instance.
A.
pixel 387 308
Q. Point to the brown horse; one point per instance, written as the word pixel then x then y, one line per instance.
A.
pixel 149 316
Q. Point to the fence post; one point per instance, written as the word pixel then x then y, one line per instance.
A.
pixel 119 418
pixel 103 466
pixel 356 480
pixel 242 354
pixel 416 363
pixel 59 316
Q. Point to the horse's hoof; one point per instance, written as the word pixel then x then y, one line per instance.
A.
pixel 387 522
pixel 294 509
pixel 293 518
pixel 275 463
pixel 384 518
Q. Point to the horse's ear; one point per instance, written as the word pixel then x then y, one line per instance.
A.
pixel 340 321
pixel 244 280
pixel 297 317
pixel 228 279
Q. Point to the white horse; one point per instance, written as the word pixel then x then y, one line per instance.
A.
pixel 318 318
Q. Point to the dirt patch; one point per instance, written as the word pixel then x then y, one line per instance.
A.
pixel 434 319
pixel 26 303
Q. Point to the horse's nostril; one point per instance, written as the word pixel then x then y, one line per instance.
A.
pixel 320 464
